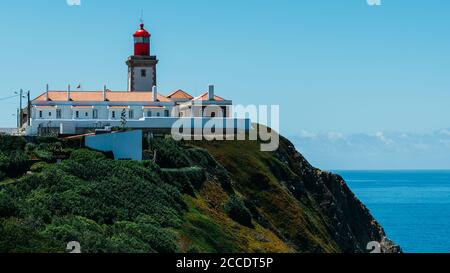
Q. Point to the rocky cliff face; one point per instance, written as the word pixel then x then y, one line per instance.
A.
pixel 309 209
pixel 349 222
pixel 201 196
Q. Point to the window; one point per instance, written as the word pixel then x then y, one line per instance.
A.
pixel 113 114
pixel 166 113
pixel 158 114
pixel 58 113
pixel 95 114
pixel 131 113
pixel 86 114
pixel 146 40
pixel 77 114
pixel 149 113
pixel 138 40
pixel 40 114
pixel 49 114
pixel 143 73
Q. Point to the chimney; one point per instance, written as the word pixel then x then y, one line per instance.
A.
pixel 104 92
pixel 46 93
pixel 155 94
pixel 68 93
pixel 211 92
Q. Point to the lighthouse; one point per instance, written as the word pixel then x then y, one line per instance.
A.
pixel 141 65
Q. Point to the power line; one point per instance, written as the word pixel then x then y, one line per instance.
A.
pixel 7 98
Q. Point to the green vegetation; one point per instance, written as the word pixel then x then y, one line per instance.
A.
pixel 193 197
pixel 109 206
pixel 238 212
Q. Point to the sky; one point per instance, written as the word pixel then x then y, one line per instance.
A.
pixel 334 66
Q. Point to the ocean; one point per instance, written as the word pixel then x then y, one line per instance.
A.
pixel 412 206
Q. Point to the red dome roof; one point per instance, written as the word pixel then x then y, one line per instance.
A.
pixel 142 32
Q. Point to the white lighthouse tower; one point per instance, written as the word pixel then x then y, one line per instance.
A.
pixel 141 66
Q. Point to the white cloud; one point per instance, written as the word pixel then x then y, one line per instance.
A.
pixel 73 2
pixel 306 134
pixel 335 136
pixel 383 138
pixel 445 132
pixel 374 2
pixel 379 150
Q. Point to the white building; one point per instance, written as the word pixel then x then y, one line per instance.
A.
pixel 70 112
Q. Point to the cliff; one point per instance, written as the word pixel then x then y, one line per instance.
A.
pixel 200 196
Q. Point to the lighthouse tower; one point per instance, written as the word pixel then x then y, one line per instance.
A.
pixel 141 66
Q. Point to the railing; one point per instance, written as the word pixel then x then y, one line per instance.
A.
pixel 9 131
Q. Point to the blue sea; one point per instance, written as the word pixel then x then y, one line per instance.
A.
pixel 412 206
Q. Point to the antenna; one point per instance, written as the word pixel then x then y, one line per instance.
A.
pixel 142 16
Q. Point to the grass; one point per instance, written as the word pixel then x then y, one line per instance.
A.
pixel 210 173
pixel 7 182
pixel 254 174
pixel 211 230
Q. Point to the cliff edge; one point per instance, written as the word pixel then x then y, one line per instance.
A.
pixel 199 196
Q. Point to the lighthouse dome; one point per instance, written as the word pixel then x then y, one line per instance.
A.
pixel 142 32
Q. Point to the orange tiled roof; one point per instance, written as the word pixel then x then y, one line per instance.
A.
pixel 154 107
pixel 82 107
pixel 180 94
pixel 97 96
pixel 80 136
pixel 204 97
pixel 45 107
pixel 119 107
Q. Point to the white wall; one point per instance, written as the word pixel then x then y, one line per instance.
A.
pixel 46 113
pixel 126 145
pixel 143 83
pixel 103 112
pixel 83 113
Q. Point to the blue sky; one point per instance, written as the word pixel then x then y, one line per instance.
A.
pixel 332 65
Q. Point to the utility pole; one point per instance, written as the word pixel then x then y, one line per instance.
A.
pixel 28 108
pixel 20 108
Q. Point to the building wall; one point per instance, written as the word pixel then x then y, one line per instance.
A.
pixel 125 146
pixel 205 111
pixel 44 113
pixel 143 83
pixel 103 112
pixel 78 126
pixel 68 123
pixel 83 113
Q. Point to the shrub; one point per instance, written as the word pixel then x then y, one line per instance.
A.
pixel 29 148
pixel 238 212
pixel 178 179
pixel 38 167
pixel 9 143
pixel 85 155
pixel 14 164
pixel 8 207
pixel 202 158
pixel 169 153
pixel 92 237
pixel 186 180
pixel 43 155
pixel 82 199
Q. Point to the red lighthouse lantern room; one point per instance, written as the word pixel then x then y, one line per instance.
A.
pixel 142 42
